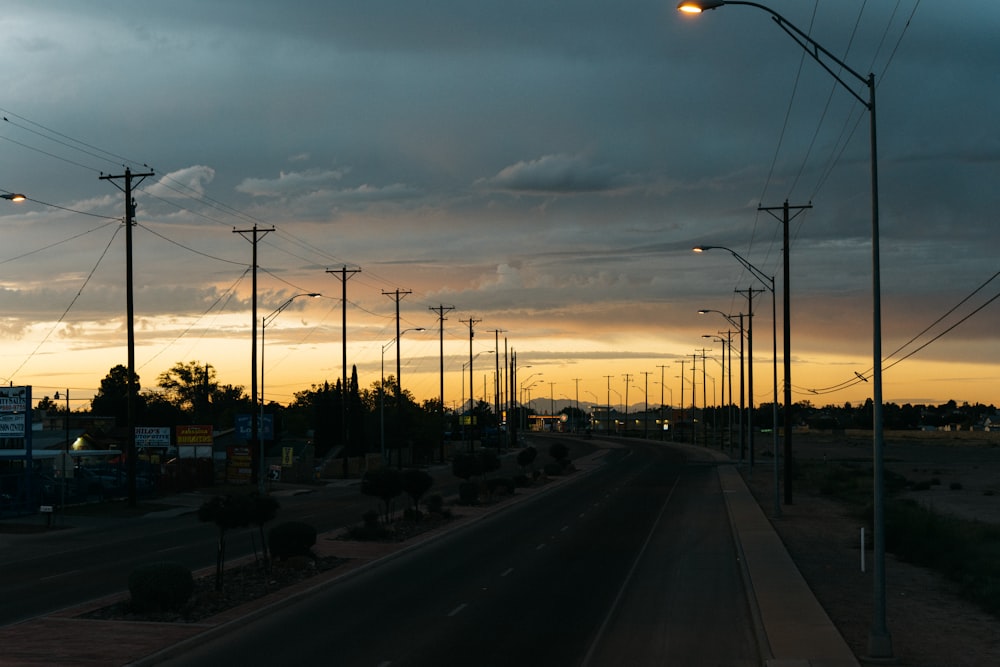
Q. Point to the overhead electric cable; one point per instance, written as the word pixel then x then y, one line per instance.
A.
pixel 69 307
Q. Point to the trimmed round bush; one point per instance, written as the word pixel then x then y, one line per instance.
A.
pixel 161 586
pixel 290 539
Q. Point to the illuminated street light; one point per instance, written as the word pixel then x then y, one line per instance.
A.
pixel 14 197
pixel 879 638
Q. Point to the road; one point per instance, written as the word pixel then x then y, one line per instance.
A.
pixel 632 564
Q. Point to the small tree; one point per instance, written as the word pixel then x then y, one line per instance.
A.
pixel 261 510
pixel 416 483
pixel 385 484
pixel 526 457
pixel 226 512
pixel 559 452
pixel 466 466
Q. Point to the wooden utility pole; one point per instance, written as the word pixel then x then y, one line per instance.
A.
pixel 397 296
pixel 441 310
pixel 472 401
pixel 256 442
pixel 785 218
pixel 130 316
pixel 345 275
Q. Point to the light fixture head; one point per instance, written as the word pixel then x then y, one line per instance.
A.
pixel 14 197
pixel 704 311
pixel 699 6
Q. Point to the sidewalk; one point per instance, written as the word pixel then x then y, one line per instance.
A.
pixel 793 630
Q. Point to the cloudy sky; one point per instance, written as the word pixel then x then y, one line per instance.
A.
pixel 543 167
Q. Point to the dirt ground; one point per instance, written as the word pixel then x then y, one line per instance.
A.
pixel 930 625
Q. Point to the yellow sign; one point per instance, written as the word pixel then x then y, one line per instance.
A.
pixel 287 456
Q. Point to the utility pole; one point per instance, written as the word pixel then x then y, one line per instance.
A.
pixel 786 331
pixel 397 296
pixel 662 368
pixel 628 380
pixel 256 443
pixel 130 317
pixel 345 275
pixel 704 399
pixel 496 379
pixel 694 398
pixel 683 379
pixel 472 402
pixel 749 293
pixel 573 425
pixel 645 414
pixel 441 310
pixel 608 420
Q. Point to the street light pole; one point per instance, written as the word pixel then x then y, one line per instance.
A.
pixel 879 638
pixel 263 329
pixel 768 282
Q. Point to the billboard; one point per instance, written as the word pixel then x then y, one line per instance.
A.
pixel 194 441
pixel 152 436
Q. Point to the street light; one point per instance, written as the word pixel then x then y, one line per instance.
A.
pixel 738 323
pixel 14 197
pixel 729 425
pixel 768 282
pixel 879 638
pixel 263 328
pixel 381 391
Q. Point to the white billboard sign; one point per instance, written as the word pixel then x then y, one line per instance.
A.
pixel 152 436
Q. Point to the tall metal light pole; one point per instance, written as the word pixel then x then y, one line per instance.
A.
pixel 267 319
pixel 382 390
pixel 879 638
pixel 736 321
pixel 768 282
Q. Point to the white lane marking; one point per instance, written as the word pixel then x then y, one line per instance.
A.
pixel 506 572
pixel 540 546
pixel 564 529
pixel 457 610
pixel 385 663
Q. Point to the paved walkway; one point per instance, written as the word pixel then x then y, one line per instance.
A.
pixel 793 629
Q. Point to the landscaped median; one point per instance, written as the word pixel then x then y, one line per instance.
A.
pixel 93 633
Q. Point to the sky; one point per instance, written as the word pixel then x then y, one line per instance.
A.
pixel 542 168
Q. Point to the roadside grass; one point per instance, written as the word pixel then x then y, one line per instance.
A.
pixel 966 552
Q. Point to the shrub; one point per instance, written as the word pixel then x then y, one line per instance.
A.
pixel 955 486
pixel 416 483
pixel 468 493
pixel 386 484
pixel 161 586
pixel 500 486
pixel 522 481
pixel 526 456
pixel 371 529
pixel 558 451
pixel 466 466
pixel 435 504
pixel 291 538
